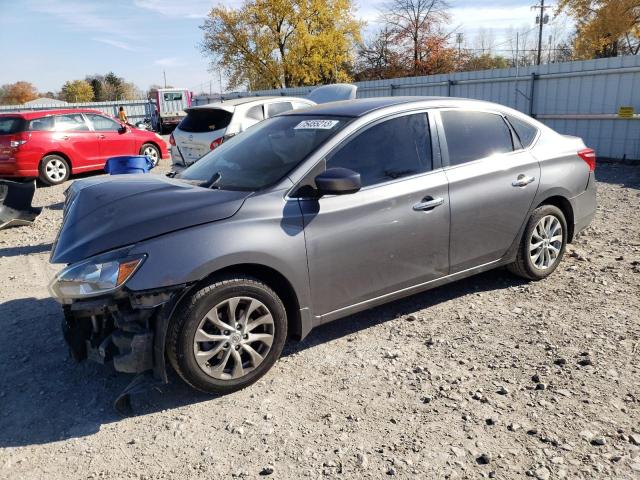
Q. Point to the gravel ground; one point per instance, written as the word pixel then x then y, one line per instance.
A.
pixel 488 377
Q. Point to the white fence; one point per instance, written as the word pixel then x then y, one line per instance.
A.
pixel 136 109
pixel 574 98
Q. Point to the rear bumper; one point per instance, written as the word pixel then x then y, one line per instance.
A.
pixel 584 206
pixel 14 168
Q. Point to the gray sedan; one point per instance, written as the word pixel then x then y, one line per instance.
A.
pixel 305 218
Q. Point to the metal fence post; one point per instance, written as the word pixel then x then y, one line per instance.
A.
pixel 532 91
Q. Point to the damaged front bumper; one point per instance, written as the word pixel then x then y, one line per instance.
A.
pixel 127 330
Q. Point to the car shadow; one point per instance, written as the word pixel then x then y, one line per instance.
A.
pixel 625 175
pixel 25 250
pixel 46 397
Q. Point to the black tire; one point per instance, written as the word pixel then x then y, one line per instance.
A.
pixel 54 170
pixel 184 324
pixel 144 150
pixel 523 266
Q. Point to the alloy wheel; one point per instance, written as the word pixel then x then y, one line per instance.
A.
pixel 233 338
pixel 55 170
pixel 545 242
pixel 152 153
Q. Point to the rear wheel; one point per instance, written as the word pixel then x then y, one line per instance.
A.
pixel 54 170
pixel 543 244
pixel 151 151
pixel 227 335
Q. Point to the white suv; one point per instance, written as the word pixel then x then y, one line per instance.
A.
pixel 206 126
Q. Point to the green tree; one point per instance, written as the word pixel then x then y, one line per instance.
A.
pixel 18 93
pixel 484 62
pixel 77 91
pixel 282 43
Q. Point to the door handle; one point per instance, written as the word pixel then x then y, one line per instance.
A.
pixel 522 181
pixel 65 137
pixel 428 203
pixel 101 136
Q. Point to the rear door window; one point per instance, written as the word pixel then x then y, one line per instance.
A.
pixel 474 135
pixel 279 107
pixel 103 124
pixel 203 120
pixel 392 149
pixel 44 124
pixel 525 131
pixel 171 96
pixel 10 125
pixel 71 123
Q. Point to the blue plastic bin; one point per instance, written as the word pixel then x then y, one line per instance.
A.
pixel 128 164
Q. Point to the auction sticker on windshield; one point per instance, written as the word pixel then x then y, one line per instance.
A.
pixel 316 124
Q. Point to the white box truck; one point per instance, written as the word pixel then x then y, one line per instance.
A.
pixel 170 107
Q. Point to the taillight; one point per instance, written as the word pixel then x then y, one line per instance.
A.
pixel 216 143
pixel 16 143
pixel 172 140
pixel 589 156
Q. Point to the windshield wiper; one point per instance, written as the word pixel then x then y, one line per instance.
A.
pixel 215 179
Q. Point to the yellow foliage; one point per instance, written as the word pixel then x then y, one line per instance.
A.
pixel 283 43
pixel 604 26
pixel 77 91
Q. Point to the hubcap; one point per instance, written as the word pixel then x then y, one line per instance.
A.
pixel 546 242
pixel 55 170
pixel 152 153
pixel 233 338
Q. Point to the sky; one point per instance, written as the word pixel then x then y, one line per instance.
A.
pixel 47 42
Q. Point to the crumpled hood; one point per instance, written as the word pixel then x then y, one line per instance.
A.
pixel 104 213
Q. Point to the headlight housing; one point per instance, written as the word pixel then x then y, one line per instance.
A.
pixel 96 276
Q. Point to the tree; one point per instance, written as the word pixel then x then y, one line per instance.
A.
pixel 484 62
pixel 282 43
pixel 417 28
pixel 378 58
pixel 111 87
pixel 77 91
pixel 605 28
pixel 18 93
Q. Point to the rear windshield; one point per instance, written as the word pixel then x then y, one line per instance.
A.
pixel 9 125
pixel 263 154
pixel 205 120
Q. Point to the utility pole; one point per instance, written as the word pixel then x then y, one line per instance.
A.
pixel 459 38
pixel 164 72
pixel 541 19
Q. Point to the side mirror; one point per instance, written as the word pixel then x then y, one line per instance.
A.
pixel 122 129
pixel 338 181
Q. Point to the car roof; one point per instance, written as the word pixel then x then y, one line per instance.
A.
pixel 234 102
pixel 30 114
pixel 362 106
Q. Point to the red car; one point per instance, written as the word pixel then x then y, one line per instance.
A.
pixel 53 144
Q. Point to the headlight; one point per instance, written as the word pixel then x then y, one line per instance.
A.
pixel 95 276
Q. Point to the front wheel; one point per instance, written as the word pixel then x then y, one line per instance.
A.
pixel 543 244
pixel 227 335
pixel 54 170
pixel 151 151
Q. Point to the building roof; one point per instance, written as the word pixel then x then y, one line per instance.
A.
pixel 44 101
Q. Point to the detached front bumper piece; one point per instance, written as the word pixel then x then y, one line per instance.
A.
pixel 15 204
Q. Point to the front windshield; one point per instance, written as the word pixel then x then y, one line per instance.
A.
pixel 264 153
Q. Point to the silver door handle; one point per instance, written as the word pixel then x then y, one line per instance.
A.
pixel 66 137
pixel 428 204
pixel 522 181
